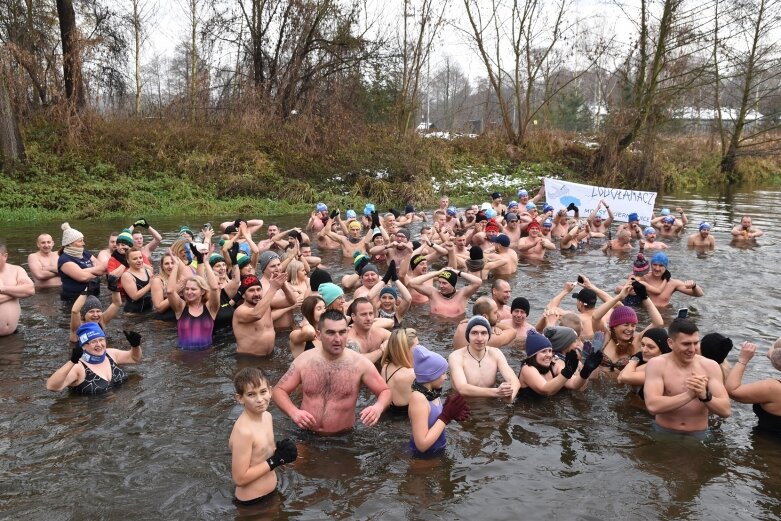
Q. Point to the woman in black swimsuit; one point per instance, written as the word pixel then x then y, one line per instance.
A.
pixel 765 395
pixel 93 368
pixel 397 369
pixel 137 283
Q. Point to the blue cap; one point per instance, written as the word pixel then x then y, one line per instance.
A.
pixel 669 219
pixel 531 206
pixel 704 225
pixel 452 211
pixel 88 332
pixel 522 193
pixel 490 213
pixel 547 208
pixel 547 223
pixel 512 204
pixel 368 209
pixel 665 211
pixel 350 214
pixel 633 217
pixel 649 230
pixel 660 258
pixel 321 207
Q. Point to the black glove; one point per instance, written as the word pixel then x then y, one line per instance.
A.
pixel 572 207
pixel 395 212
pixel 141 222
pixel 666 275
pixel 196 253
pixel 570 364
pixel 286 453
pixel 591 362
pixel 455 408
pixel 387 277
pixel 640 290
pixel 120 258
pixel 133 338
pixel 76 354
pixel 504 213
pixel 375 220
pixel 334 213
pixel 233 253
pixel 239 296
pixel 112 283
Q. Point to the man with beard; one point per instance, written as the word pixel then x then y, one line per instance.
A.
pixel 252 323
pixel 703 238
pixel 364 337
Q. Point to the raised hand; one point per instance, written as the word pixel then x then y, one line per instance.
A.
pixel 571 362
pixel 133 338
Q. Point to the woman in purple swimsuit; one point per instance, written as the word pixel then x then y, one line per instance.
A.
pixel 196 310
pixel 427 415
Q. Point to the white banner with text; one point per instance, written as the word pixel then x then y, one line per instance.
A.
pixel 560 194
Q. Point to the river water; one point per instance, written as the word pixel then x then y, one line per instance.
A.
pixel 157 447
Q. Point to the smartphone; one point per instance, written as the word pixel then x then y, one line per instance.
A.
pixel 580 279
pixel 683 313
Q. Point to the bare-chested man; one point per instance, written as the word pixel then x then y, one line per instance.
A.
pixel 105 255
pixel 364 336
pixel 512 228
pixel 650 242
pixel 505 261
pixel 600 225
pixel 632 226
pixel 285 299
pixel 535 245
pixel 473 368
pixel 746 231
pixel 43 263
pixel 330 377
pixel 668 226
pixel 14 285
pixel 501 335
pixel 661 285
pixel 703 238
pixel 586 301
pixel 519 314
pixel 681 387
pixel 253 326
pixel 447 301
pixel 501 293
pixel 621 244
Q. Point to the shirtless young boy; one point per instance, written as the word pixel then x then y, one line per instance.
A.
pixel 254 455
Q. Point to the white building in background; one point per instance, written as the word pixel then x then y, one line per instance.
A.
pixel 706 119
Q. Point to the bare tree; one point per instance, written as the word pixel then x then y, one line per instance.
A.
pixel 516 41
pixel 422 23
pixel 11 144
pixel 141 11
pixel 754 60
pixel 71 57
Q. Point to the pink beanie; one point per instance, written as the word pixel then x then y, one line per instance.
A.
pixel 622 315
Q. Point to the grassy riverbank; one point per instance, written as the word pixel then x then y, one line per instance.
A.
pixel 171 167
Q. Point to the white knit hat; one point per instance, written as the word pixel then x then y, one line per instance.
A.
pixel 70 235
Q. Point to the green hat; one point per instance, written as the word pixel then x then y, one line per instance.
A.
pixel 215 258
pixel 125 237
pixel 242 259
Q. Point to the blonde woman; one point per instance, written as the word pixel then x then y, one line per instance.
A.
pixel 397 369
pixel 196 309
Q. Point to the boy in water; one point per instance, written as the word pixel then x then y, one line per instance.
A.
pixel 254 453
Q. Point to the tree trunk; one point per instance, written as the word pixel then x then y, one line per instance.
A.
pixel 137 43
pixel 11 143
pixel 71 59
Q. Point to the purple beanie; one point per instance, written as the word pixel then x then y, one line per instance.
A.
pixel 428 365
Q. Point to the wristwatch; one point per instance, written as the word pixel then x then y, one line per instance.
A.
pixel 708 396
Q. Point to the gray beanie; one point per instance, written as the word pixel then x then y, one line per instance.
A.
pixel 477 320
pixel 266 257
pixel 560 337
pixel 92 302
pixel 70 235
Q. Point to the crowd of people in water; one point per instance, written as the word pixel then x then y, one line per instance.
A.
pixel 346 333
